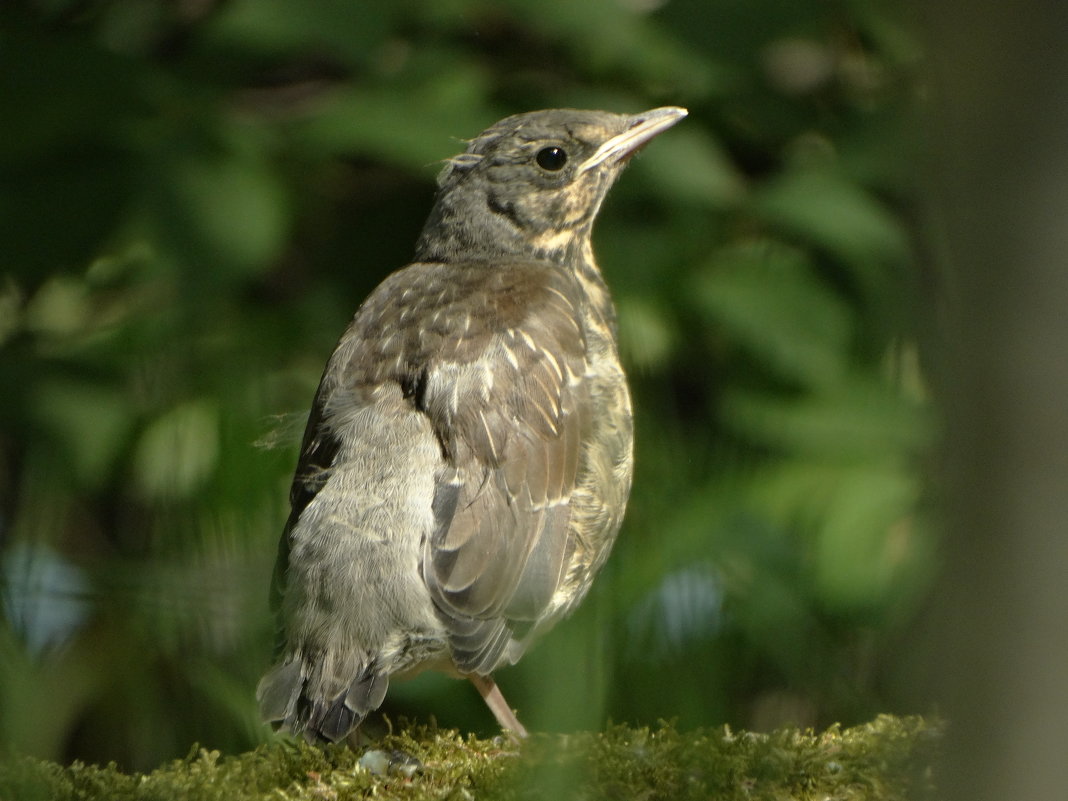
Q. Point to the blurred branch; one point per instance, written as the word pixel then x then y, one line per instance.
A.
pixel 999 200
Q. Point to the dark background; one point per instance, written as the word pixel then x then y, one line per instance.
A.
pixel 196 195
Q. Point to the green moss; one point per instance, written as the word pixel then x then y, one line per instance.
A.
pixel 887 759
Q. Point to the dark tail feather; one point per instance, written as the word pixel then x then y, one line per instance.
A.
pixel 334 720
pixel 278 693
pixel 291 699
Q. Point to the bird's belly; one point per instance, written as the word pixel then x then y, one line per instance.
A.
pixel 354 583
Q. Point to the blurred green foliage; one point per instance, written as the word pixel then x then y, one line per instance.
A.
pixel 195 195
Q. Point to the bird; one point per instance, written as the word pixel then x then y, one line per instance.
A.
pixel 468 455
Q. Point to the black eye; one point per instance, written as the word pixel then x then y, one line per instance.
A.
pixel 551 158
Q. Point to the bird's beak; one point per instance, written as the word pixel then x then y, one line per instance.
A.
pixel 640 129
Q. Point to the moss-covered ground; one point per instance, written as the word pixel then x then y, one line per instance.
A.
pixel 887 759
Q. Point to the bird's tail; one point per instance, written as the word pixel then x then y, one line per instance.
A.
pixel 301 696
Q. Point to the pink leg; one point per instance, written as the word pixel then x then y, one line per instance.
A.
pixel 491 694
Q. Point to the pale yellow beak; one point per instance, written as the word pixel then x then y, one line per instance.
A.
pixel 641 129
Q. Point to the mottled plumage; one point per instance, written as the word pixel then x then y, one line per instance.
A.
pixel 467 460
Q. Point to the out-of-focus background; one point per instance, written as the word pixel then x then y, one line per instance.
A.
pixel 195 196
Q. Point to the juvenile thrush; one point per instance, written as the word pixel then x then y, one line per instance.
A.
pixel 467 460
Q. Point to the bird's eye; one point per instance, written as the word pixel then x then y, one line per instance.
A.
pixel 551 158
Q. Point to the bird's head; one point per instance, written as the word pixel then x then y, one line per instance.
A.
pixel 531 185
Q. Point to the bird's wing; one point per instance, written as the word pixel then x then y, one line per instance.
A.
pixel 495 356
pixel 317 451
pixel 512 413
pixel 503 510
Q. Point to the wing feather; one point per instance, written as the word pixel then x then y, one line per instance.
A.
pixel 495 356
pixel 515 434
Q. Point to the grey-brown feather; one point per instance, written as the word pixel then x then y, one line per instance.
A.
pixel 505 391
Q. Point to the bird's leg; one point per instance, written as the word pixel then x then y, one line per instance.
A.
pixel 494 699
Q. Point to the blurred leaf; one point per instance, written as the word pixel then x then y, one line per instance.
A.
pixel 64 163
pixel 90 421
pixel 43 595
pixel 898 42
pixel 230 694
pixel 337 28
pixel 686 606
pixel 80 192
pixel 691 167
pixel 646 333
pixel 835 214
pixel 67 93
pixel 440 108
pixel 10 310
pixel 765 297
pixel 766 602
pixel 226 209
pixel 865 546
pixel 178 452
pixel 605 35
pixel 41 701
pixel 869 556
pixel 61 306
pixel 859 418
